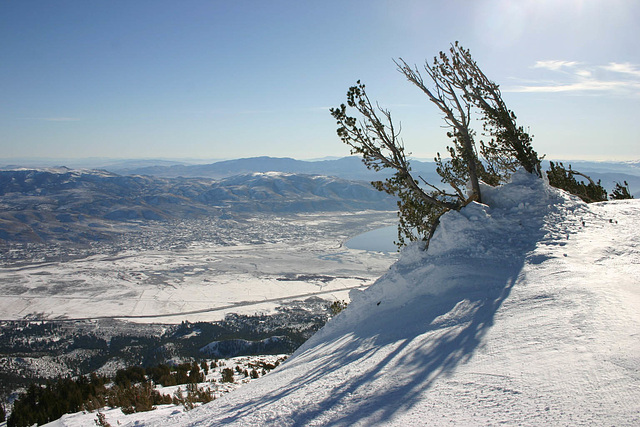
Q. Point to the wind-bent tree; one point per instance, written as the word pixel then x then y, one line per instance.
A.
pixel 375 138
pixel 510 146
pixel 456 110
pixel 458 88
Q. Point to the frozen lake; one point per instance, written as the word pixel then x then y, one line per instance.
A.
pixel 378 240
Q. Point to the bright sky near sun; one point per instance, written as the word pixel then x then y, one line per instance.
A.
pixel 236 78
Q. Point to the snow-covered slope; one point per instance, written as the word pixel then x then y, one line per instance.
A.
pixel 524 311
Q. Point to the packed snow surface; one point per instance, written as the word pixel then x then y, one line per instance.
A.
pixel 523 311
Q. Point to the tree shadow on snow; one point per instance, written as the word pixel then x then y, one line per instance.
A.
pixel 430 337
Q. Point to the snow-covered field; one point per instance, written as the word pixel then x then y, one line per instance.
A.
pixel 280 259
pixel 524 311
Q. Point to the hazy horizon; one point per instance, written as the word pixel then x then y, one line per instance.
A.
pixel 50 161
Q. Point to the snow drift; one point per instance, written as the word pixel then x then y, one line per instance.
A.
pixel 522 311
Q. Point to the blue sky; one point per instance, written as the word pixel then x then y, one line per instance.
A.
pixel 228 79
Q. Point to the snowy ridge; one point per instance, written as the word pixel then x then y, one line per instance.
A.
pixel 523 311
pixel 467 242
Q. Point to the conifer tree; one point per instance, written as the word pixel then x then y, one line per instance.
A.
pixel 458 88
pixel 227 375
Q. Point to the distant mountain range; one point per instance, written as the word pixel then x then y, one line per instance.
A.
pixel 352 168
pixel 347 168
pixel 61 204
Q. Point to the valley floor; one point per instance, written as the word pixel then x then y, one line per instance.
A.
pixel 259 264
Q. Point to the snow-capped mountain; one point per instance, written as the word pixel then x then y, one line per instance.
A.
pixel 523 311
pixel 609 172
pixel 346 167
pixel 81 205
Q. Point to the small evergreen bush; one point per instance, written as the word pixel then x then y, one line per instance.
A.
pixel 563 178
pixel 621 192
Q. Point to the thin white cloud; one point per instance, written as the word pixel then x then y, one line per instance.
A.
pixel 555 65
pixel 584 86
pixel 625 68
pixel 584 73
pixel 622 79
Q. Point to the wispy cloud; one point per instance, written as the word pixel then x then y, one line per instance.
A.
pixel 53 119
pixel 621 79
pixel 555 65
pixel 583 86
pixel 625 68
